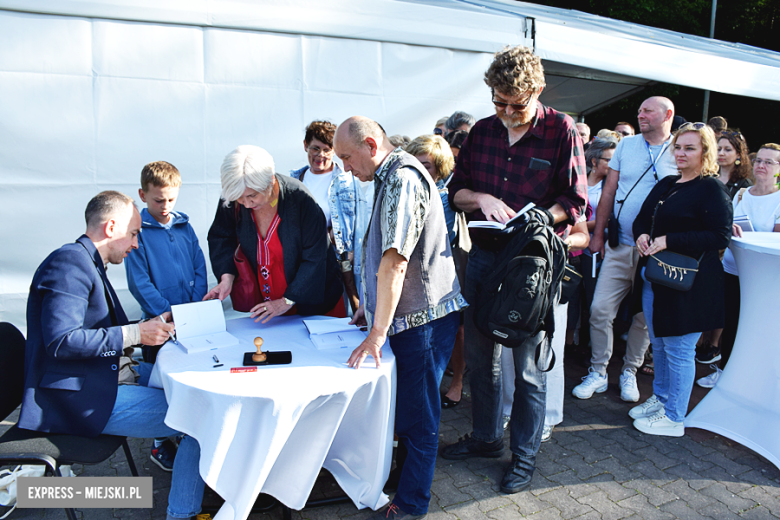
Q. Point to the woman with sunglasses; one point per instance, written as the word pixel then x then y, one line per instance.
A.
pixel 761 206
pixel 688 214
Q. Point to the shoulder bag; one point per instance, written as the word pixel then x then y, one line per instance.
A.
pixel 668 268
pixel 245 293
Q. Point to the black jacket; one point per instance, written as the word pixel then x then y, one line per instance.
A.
pixel 696 218
pixel 310 265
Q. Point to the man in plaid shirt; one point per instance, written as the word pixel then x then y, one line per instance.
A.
pixel 525 153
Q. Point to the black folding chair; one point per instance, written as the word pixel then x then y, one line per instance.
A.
pixel 18 446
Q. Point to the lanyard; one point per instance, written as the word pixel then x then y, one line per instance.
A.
pixel 653 159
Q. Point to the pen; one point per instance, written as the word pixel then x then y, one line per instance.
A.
pixel 215 358
pixel 170 334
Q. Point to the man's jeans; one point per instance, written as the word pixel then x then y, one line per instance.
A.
pixel 673 359
pixel 483 357
pixel 614 283
pixel 139 412
pixel 421 355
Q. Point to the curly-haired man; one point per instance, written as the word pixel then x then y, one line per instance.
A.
pixel 525 153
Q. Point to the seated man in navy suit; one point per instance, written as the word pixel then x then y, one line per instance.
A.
pixel 75 382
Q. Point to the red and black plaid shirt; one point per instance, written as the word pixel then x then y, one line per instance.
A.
pixel 547 165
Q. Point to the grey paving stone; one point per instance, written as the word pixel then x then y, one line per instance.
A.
pixel 718 511
pixel 697 449
pixel 683 456
pixel 695 480
pixel 614 490
pixel 582 468
pixel 589 453
pixel 655 495
pixel 447 493
pixel 466 511
pixel 649 470
pixel 504 513
pixel 628 442
pixel 527 503
pixel 460 474
pixel 547 514
pixel 643 509
pixel 659 460
pixel 733 468
pixel 605 506
pixel 561 500
pixel 546 466
pixel 486 496
pixel 759 496
pixel 693 498
pixel 614 467
pixel 734 502
pixel 758 513
pixel 680 509
pixel 759 478
pixel 576 487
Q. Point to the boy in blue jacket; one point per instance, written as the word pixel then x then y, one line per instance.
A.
pixel 168 268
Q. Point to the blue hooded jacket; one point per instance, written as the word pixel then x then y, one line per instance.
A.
pixel 168 268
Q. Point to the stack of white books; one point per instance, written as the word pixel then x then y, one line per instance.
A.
pixel 334 333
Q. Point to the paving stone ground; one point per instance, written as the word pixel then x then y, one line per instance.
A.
pixel 597 466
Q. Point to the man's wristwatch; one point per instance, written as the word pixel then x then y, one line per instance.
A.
pixel 289 302
pixel 346 266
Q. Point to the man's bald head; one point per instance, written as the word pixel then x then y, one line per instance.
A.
pixel 655 118
pixel 362 145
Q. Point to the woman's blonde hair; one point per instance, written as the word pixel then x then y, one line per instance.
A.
pixel 438 149
pixel 709 146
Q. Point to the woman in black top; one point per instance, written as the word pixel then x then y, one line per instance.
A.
pixel 688 214
pixel 735 169
pixel 281 230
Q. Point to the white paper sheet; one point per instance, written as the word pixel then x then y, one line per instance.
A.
pixel 489 224
pixel 201 326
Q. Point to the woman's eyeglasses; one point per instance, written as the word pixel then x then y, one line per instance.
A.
pixel 695 126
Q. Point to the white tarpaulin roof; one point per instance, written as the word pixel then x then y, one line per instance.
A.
pixel 91 91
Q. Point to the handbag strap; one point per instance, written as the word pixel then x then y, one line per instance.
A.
pixel 655 173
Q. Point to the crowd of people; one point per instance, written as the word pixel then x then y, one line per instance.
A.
pixel 383 236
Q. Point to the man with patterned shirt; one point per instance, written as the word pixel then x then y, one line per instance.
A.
pixel 410 294
pixel 525 153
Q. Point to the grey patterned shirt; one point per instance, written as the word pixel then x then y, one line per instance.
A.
pixel 406 203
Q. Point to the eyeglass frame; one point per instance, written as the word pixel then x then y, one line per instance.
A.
pixel 769 162
pixel 316 150
pixel 515 106
pixel 695 126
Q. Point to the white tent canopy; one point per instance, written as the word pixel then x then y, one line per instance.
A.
pixel 91 91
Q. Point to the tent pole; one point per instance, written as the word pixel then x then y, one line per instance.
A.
pixel 706 110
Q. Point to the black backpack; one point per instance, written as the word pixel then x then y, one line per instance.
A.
pixel 515 304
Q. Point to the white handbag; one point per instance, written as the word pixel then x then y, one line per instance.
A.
pixel 8 482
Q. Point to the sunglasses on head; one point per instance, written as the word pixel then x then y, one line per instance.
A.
pixel 736 135
pixel 695 126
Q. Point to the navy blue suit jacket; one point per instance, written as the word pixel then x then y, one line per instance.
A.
pixel 74 340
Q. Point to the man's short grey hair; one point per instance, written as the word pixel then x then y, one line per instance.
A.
pixel 105 206
pixel 458 119
pixel 597 148
pixel 245 167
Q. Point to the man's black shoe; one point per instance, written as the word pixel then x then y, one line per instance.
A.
pixel 708 354
pixel 467 447
pixel 517 478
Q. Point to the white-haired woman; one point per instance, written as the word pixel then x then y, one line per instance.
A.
pixel 282 232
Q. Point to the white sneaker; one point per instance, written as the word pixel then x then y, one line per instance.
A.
pixel 593 382
pixel 547 433
pixel 628 389
pixel 660 424
pixel 646 409
pixel 711 380
pixel 505 421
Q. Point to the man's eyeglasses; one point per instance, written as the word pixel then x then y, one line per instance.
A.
pixel 767 162
pixel 624 133
pixel 515 106
pixel 695 126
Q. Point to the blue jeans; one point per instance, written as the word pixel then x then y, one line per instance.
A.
pixel 673 358
pixel 483 357
pixel 421 355
pixel 139 411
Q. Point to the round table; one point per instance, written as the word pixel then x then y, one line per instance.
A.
pixel 271 431
pixel 745 403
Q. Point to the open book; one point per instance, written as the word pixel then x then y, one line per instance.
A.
pixel 489 224
pixel 334 333
pixel 201 326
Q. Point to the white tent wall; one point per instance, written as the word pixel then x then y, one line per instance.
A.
pixel 86 102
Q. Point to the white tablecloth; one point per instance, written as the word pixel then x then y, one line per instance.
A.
pixel 745 404
pixel 273 430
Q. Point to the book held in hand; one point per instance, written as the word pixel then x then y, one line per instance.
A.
pixel 498 226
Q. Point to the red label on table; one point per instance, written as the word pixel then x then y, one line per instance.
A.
pixel 238 370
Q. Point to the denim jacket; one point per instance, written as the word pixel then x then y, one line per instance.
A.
pixel 350 211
